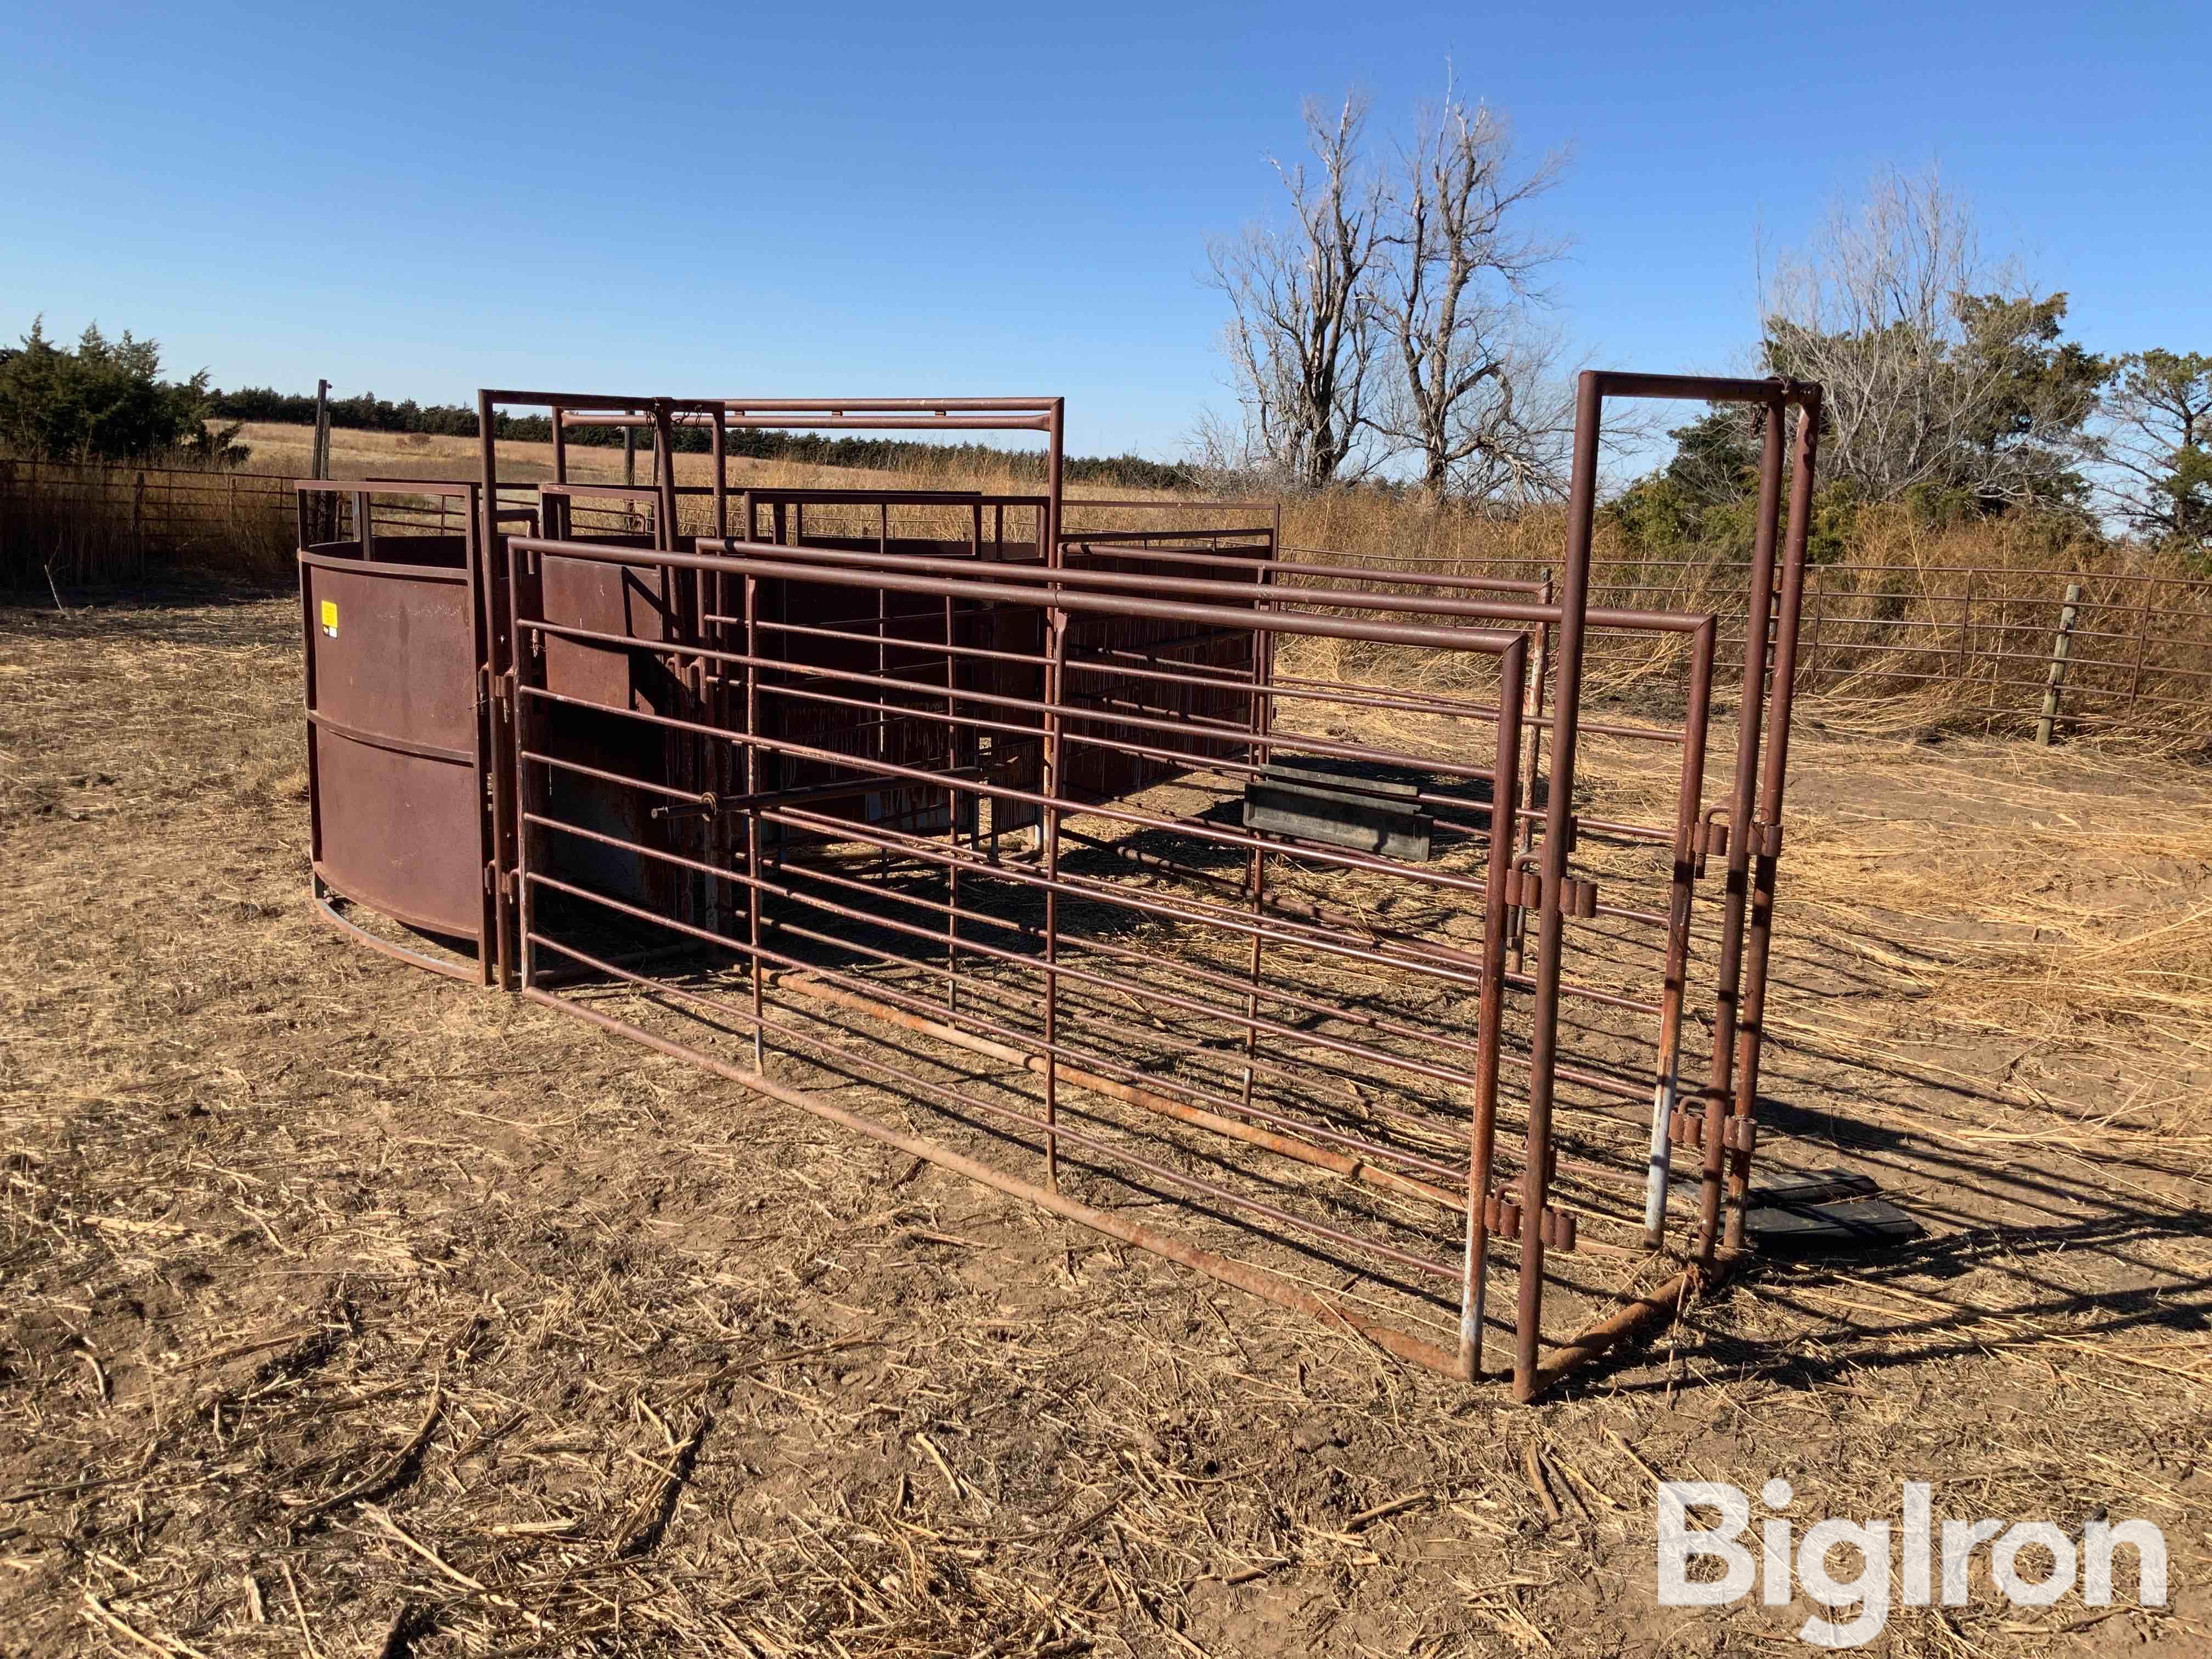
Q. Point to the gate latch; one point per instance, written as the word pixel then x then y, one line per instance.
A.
pixel 706 806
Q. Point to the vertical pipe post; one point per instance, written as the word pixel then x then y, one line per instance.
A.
pixel 1751 1020
pixel 319 455
pixel 1263 657
pixel 474 564
pixel 663 471
pixel 1055 781
pixel 1819 587
pixel 1559 829
pixel 1536 720
pixel 754 897
pixel 1505 805
pixel 498 602
pixel 1751 703
pixel 2061 649
pixel 524 597
pixel 956 806
pixel 720 439
pixel 1689 806
pixel 308 626
pixel 1054 429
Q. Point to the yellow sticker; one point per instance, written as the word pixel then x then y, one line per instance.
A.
pixel 331 617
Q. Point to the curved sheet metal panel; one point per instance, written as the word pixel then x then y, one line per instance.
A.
pixel 395 665
pixel 399 832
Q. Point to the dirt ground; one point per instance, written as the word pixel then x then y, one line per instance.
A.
pixel 347 1311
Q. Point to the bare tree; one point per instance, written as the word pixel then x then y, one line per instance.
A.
pixel 1940 367
pixel 1303 337
pixel 1475 394
pixel 2153 444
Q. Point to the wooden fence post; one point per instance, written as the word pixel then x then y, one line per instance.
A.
pixel 318 458
pixel 2062 647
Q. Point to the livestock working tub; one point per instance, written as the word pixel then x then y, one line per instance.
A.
pixel 398 669
pixel 1237 894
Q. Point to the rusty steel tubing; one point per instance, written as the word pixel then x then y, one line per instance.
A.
pixel 1373 1149
pixel 1050 884
pixel 1052 971
pixel 1052 1128
pixel 1053 709
pixel 1662 622
pixel 893 575
pixel 1194 910
pixel 1751 707
pixel 1637 1004
pixel 1139 544
pixel 1431 702
pixel 1290 1145
pixel 1197 674
pixel 1544 1018
pixel 1085 539
pixel 1350 929
pixel 1681 894
pixel 806 707
pixel 1258 1281
pixel 1693 388
pixel 1482 1128
pixel 1773 778
pixel 1503 813
pixel 1346 859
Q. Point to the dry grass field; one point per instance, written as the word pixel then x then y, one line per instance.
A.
pixel 352 1312
pixel 284 450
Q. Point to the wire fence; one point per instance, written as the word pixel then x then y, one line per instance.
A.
pixel 1990 642
pixel 67 524
pixel 2005 646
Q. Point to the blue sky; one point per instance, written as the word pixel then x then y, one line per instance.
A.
pixel 862 198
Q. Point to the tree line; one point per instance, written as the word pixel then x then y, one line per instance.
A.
pixel 104 400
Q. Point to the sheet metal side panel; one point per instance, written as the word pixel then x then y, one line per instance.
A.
pixel 400 833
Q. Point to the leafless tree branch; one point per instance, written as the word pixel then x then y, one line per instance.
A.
pixel 1301 339
pixel 1475 396
pixel 1915 335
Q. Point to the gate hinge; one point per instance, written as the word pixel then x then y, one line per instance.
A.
pixel 1767 838
pixel 1525 888
pixel 1711 840
pixel 1502 1215
pixel 1687 1127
